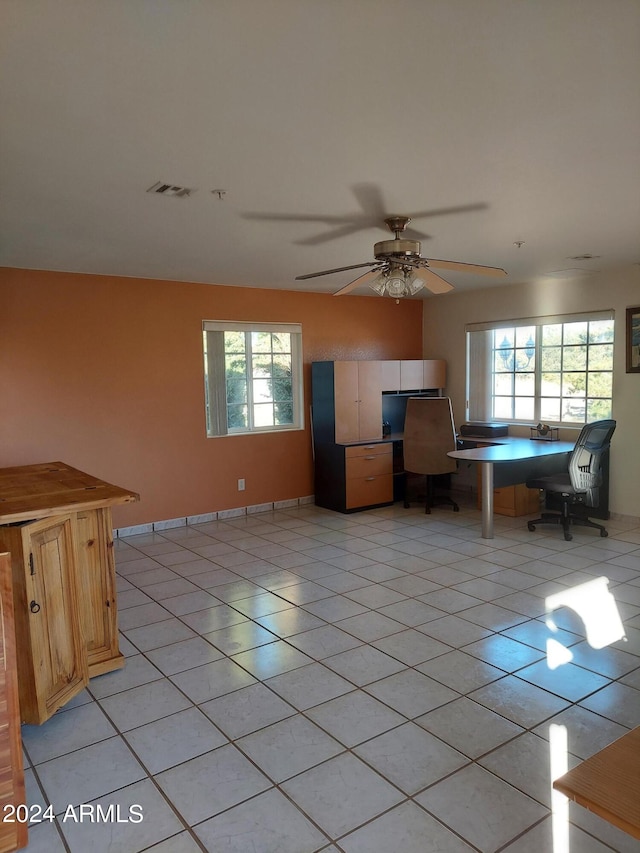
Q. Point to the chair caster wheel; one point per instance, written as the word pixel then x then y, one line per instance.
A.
pixel 568 537
pixel 604 533
pixel 406 504
pixel 456 509
pixel 531 527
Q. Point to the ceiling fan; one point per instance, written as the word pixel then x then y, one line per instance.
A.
pixel 400 270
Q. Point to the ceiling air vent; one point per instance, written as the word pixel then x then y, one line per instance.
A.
pixel 162 188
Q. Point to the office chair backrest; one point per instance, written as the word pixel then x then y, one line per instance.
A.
pixel 429 434
pixel 585 460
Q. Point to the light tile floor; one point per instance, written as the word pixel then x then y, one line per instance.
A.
pixel 301 681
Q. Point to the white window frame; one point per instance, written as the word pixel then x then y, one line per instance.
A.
pixel 215 376
pixel 480 368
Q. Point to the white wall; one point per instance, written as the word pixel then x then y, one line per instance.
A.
pixel 444 337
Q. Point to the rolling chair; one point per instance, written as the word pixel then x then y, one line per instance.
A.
pixel 579 487
pixel 429 434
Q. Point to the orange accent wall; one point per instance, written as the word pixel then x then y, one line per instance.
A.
pixel 106 374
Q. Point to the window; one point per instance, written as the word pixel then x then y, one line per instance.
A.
pixel 558 370
pixel 253 377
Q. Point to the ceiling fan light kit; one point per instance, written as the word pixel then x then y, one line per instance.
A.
pixel 397 283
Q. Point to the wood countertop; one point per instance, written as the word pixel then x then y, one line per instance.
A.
pixel 38 491
pixel 608 783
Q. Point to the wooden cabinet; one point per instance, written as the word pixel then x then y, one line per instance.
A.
pixel 413 374
pixel 358 401
pixel 12 793
pixel 369 475
pixel 513 501
pixel 51 658
pixel 56 522
pixel 353 461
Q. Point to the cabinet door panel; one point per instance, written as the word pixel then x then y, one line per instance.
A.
pixel 57 648
pixel 435 373
pixel 96 585
pixel 369 400
pixel 411 375
pixel 390 375
pixel 345 381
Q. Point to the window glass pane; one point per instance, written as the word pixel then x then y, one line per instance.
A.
pixel 574 358
pixel 598 409
pixel 235 364
pixel 503 383
pixel 552 335
pixel 526 337
pixel 283 413
pixel 525 384
pixel 575 333
pixel 234 341
pixel 551 384
pixel 550 409
pixel 281 342
pixel 261 341
pixel 502 407
pixel 551 358
pixel 236 391
pixel 573 410
pixel 261 390
pixel 601 330
pixel 524 408
pixel 504 338
pixel 282 378
pixel 574 384
pixel 600 356
pixel 600 384
pixel 263 415
pixel 525 361
pixel 503 360
pixel 237 417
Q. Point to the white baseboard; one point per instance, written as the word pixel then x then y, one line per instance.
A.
pixel 204 518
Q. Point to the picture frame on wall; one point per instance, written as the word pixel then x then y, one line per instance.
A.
pixel 633 340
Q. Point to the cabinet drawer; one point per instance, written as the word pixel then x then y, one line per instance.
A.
pixel 366 491
pixel 368 466
pixel 381 449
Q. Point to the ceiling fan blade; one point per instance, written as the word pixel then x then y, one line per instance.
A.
pixel 444 211
pixel 412 234
pixel 298 217
pixel 365 278
pixel 338 269
pixel 458 266
pixel 344 231
pixel 434 282
pixel 370 200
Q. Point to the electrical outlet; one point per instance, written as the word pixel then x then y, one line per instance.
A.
pixel 241 485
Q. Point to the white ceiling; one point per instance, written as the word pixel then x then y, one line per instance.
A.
pixel 527 111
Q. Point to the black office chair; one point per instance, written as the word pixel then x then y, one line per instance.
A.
pixel 429 434
pixel 579 487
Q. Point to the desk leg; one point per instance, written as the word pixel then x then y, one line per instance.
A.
pixel 487 499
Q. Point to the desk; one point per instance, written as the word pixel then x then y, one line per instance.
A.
pixel 520 458
pixel 608 783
